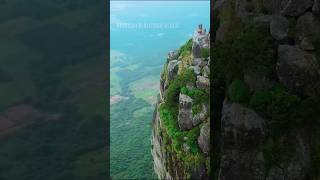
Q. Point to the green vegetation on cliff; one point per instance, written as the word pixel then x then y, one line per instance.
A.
pixel 253 51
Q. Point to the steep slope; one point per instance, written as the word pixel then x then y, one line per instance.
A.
pixel 181 123
pixel 265 73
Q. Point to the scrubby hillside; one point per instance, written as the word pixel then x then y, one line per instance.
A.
pixel 265 73
pixel 181 124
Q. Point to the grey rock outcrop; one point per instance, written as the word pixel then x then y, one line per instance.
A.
pixel 316 7
pixel 279 27
pixel 201 116
pixel 307 25
pixel 196 50
pixel 185 112
pixel 263 19
pixel 242 134
pixel 203 82
pixel 173 67
pixel 173 55
pixel 296 68
pixel 296 7
pixel 306 44
pixel 204 138
pixel 258 81
pixel 206 71
pixel 159 156
pixel 298 165
pixel 196 69
pixel 273 6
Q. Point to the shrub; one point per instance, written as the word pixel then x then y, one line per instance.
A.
pixel 177 136
pixel 172 93
pixel 186 77
pixel 260 100
pixel 196 109
pixel 254 46
pixel 239 92
pixel 205 52
pixel 186 47
pixel 283 103
pixel 169 121
pixel 184 90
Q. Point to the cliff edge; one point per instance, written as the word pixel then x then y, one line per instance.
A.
pixel 181 123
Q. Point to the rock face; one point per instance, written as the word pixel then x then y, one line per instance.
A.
pixel 181 127
pixel 296 7
pixel 185 112
pixel 316 7
pixel 298 165
pixel 258 81
pixel 268 135
pixel 157 142
pixel 242 134
pixel 201 116
pixel 196 50
pixel 172 69
pixel 297 68
pixel 279 27
pixel 254 140
pixel 172 55
pixel 307 25
pixel 203 82
pixel 204 138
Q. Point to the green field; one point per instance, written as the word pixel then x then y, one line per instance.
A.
pixel 52 60
pixel 130 125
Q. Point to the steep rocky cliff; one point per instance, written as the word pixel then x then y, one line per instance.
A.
pixel 181 123
pixel 265 72
pixel 264 96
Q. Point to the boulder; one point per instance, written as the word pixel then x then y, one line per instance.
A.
pixel 241 126
pixel 243 131
pixel 203 83
pixel 196 50
pixel 272 6
pixel 199 62
pixel 173 67
pixel 296 68
pixel 196 69
pixel 258 81
pixel 316 7
pixel 202 40
pixel 307 25
pixel 204 138
pixel 201 116
pixel 244 9
pixel 185 112
pixel 172 55
pixel 295 7
pixel 206 71
pixel 306 44
pixel 263 19
pixel 279 27
pixel 298 166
